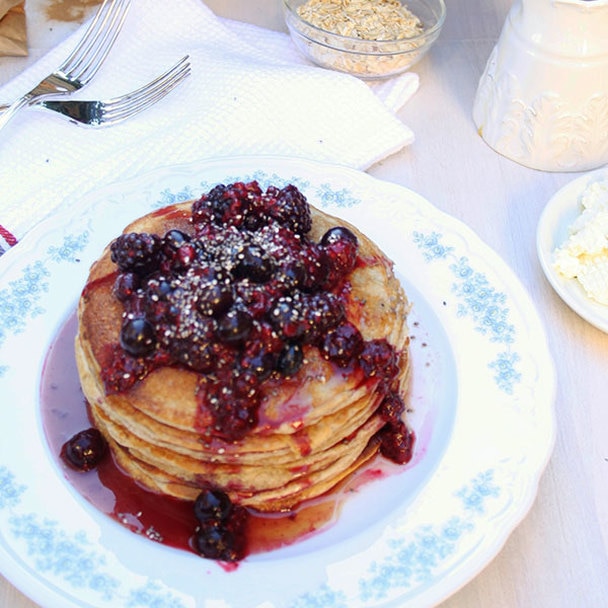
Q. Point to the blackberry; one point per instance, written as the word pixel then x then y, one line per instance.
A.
pixel 323 311
pixel 288 317
pixel 235 204
pixel 342 345
pixel 290 209
pixel 209 206
pixel 379 359
pixel 136 252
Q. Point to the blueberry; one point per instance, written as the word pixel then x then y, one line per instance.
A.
pixel 125 285
pixel 137 337
pixel 175 238
pixel 253 263
pixel 85 450
pixel 290 360
pixel 215 298
pixel 215 542
pixel 234 327
pixel 212 504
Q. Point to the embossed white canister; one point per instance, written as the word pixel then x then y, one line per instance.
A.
pixel 542 100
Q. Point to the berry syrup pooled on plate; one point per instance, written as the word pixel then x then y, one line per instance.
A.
pixel 237 293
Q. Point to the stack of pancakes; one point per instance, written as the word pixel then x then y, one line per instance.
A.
pixel 314 428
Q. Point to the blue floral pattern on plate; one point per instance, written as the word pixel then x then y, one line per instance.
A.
pixel 454 515
pixel 482 303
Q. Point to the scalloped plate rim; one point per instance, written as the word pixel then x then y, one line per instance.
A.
pixel 440 590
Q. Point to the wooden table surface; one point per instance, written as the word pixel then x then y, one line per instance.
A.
pixel 557 557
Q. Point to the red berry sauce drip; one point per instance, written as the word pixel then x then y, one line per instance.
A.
pixel 160 518
pixel 236 300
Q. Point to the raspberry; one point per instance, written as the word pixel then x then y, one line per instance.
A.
pixel 136 252
pixel 340 247
pixel 392 407
pixel 314 263
pixel 232 405
pixel 123 371
pixel 126 285
pixel 397 442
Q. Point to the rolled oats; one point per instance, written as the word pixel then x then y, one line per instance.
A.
pixel 365 19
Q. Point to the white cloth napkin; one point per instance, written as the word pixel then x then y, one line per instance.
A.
pixel 250 93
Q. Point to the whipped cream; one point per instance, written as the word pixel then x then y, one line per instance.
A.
pixel 584 254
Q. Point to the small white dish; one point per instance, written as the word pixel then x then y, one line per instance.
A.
pixel 559 213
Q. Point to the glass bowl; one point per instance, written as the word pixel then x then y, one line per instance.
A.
pixel 369 59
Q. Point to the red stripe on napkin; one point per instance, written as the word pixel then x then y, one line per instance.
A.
pixel 7 236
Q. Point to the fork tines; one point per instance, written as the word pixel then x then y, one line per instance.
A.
pixel 89 54
pixel 149 94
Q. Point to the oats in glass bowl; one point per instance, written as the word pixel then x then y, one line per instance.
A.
pixel 367 38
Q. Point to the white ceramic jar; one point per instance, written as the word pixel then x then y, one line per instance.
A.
pixel 543 98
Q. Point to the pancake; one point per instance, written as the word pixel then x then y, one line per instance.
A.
pixel 270 357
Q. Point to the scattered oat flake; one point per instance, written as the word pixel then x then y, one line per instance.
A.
pixel 364 19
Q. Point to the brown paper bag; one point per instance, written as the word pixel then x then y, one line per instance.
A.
pixel 13 35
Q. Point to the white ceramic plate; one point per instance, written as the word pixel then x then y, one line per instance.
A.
pixel 483 390
pixel 559 213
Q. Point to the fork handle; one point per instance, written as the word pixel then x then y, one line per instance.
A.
pixel 11 110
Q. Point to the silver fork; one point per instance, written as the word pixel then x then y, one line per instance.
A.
pixel 84 61
pixel 117 109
